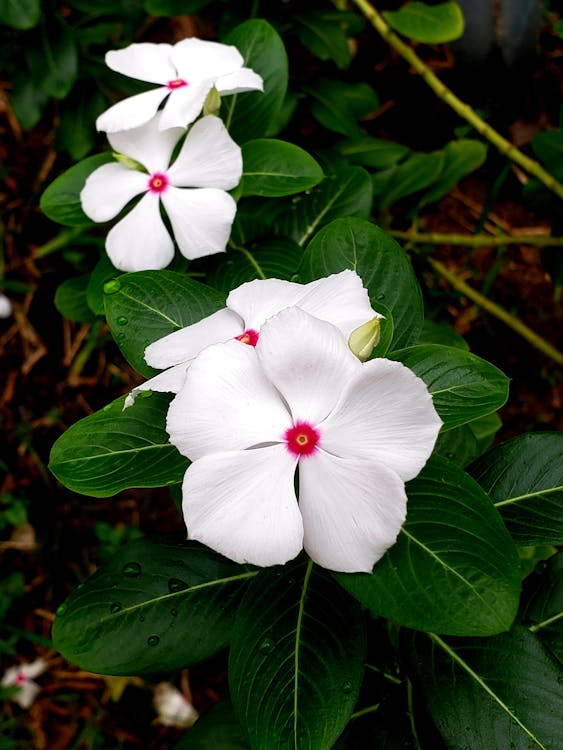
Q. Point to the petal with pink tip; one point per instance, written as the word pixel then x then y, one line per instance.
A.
pixel 385 413
pixel 169 381
pixel 131 112
pixel 147 144
pixel 352 509
pixel 242 504
pixel 109 189
pixel 199 60
pixel 256 301
pixel 145 61
pixel 244 79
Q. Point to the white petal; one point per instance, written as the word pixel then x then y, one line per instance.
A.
pixel 242 504
pixel 308 360
pixel 184 105
pixel 352 509
pixel 33 669
pixel 131 112
pixel 341 299
pixel 26 694
pixel 183 345
pixel 208 158
pixel 145 61
pixel 226 404
pixel 198 60
pixel 256 301
pixel 140 241
pixel 147 144
pixel 169 381
pixel 5 306
pixel 385 413
pixel 201 219
pixel 109 189
pixel 244 79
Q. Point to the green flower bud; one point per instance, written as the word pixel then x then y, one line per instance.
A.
pixel 212 104
pixel 128 162
pixel 363 339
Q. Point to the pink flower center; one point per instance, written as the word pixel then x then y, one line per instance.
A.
pixel 21 679
pixel 158 182
pixel 302 439
pixel 249 337
pixel 177 83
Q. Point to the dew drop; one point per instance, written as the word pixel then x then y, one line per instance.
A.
pixel 144 394
pixel 266 646
pixel 61 610
pixel 296 278
pixel 290 581
pixel 115 607
pixel 153 640
pixel 347 687
pixel 107 407
pixel 175 584
pixel 381 296
pixel 122 320
pixel 141 618
pixel 111 287
pixel 174 612
pixel 131 570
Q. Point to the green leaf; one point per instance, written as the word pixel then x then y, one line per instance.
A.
pixel 27 100
pixel 460 158
pixel 548 146
pixel 490 692
pixel 20 14
pixel 277 258
pixel 464 387
pixel 434 332
pixel 144 306
pixel 380 262
pixel 275 168
pixel 249 115
pixel 454 568
pixel 411 176
pixel 154 607
pixel 76 132
pixel 71 300
pixel 218 728
pixel 347 192
pixel 432 24
pixel 103 272
pixel 297 658
pixel 323 37
pixel 175 7
pixel 543 604
pixel 524 479
pixel 115 449
pixel 338 106
pixel 53 59
pixel 458 445
pixel 373 152
pixel 61 200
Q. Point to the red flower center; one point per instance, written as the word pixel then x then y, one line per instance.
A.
pixel 249 337
pixel 177 83
pixel 21 679
pixel 158 182
pixel 302 439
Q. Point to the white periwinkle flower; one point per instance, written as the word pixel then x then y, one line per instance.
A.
pixel 191 189
pixel 22 676
pixel 172 707
pixel 186 72
pixel 5 306
pixel 341 299
pixel 249 417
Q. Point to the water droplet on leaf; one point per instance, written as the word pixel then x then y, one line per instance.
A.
pixel 122 320
pixel 131 570
pixel 111 287
pixel 141 618
pixel 347 687
pixel 381 296
pixel 296 278
pixel 153 640
pixel 174 612
pixel 266 646
pixel 61 610
pixel 175 584
pixel 115 607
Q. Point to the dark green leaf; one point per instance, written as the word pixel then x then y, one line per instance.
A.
pixel 543 603
pixel 76 132
pixel 27 100
pixel 145 306
pixel 373 152
pixel 250 115
pixel 71 300
pixel 20 14
pixel 411 176
pixel 433 24
pixel 381 263
pixel 61 200
pixel 485 428
pixel 458 445
pixel 460 158
pixel 275 168
pixel 524 478
pixel 464 387
pixel 501 692
pixel 338 106
pixel 548 146
pixel 441 333
pixel 103 272
pixel 115 449
pixel 53 59
pixel 218 729
pixel 324 38
pixel 175 7
pixel 154 607
pixel 297 658
pixel 454 568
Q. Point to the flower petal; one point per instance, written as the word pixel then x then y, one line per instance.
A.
pixel 244 79
pixel 385 413
pixel 201 219
pixel 147 144
pixel 169 381
pixel 145 61
pixel 184 105
pixel 352 509
pixel 243 505
pixel 208 158
pixel 26 694
pixel 308 360
pixel 226 404
pixel 256 301
pixel 140 241
pixel 183 345
pixel 131 112
pixel 199 60
pixel 109 189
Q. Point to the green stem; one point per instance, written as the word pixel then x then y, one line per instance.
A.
pixel 499 312
pixel 477 240
pixel 60 241
pixel 90 345
pixel 461 108
pixel 364 711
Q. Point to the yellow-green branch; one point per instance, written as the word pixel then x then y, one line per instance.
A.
pixel 477 240
pixel 463 110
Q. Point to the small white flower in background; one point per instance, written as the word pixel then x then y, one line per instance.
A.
pixel 249 417
pixel 5 307
pixel 186 72
pixel 172 707
pixel 191 189
pixel 341 299
pixel 22 676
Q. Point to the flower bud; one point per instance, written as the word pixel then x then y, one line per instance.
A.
pixel 212 104
pixel 128 162
pixel 363 339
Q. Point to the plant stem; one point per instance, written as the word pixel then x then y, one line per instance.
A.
pixel 477 240
pixel 499 312
pixel 61 240
pixel 461 108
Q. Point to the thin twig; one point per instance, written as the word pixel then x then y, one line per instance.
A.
pixel 477 240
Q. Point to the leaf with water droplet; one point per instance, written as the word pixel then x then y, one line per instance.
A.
pixel 115 607
pixel 153 640
pixel 175 585
pixel 131 570
pixel 111 287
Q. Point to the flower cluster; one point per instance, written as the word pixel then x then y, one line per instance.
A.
pixel 186 176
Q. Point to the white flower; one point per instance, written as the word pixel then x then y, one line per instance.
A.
pixel 5 306
pixel 172 707
pixel 248 417
pixel 341 299
pixel 186 73
pixel 22 677
pixel 201 218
